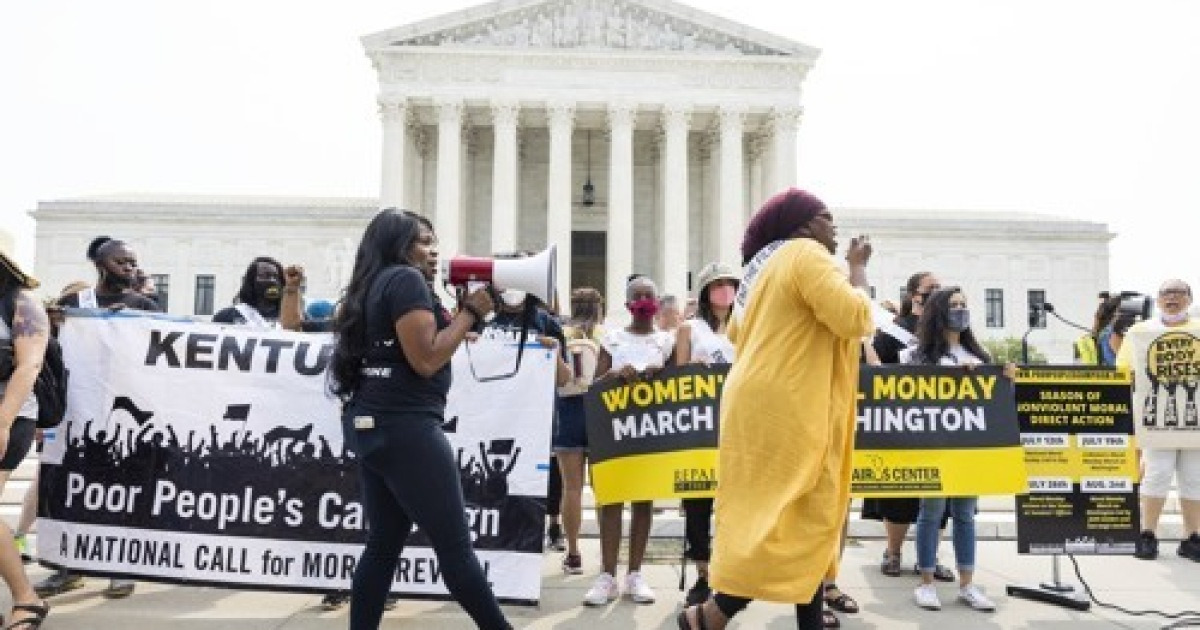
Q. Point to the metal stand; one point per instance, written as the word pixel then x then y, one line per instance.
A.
pixel 1053 592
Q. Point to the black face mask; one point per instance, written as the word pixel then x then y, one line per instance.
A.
pixel 268 291
pixel 118 284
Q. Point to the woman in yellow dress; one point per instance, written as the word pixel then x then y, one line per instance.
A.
pixel 787 414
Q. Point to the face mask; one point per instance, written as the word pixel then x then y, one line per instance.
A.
pixel 117 282
pixel 1177 318
pixel 722 296
pixel 512 297
pixel 645 308
pixel 958 320
pixel 267 290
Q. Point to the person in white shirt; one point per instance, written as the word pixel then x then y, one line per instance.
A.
pixel 630 353
pixel 704 339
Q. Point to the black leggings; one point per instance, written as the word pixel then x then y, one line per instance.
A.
pixel 697 528
pixel 408 475
pixel 554 493
pixel 808 616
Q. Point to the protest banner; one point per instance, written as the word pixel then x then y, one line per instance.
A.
pixel 1166 374
pixel 936 431
pixel 655 439
pixel 213 455
pixel 1077 429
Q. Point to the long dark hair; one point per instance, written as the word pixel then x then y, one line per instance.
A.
pixel 386 242
pixel 931 329
pixel 910 289
pixel 704 308
pixel 246 295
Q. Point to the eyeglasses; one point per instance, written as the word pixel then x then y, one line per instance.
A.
pixel 925 296
pixel 1174 293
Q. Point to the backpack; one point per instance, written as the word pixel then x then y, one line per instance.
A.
pixel 50 388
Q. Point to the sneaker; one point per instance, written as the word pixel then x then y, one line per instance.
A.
pixel 23 547
pixel 699 593
pixel 554 537
pixel 118 589
pixel 335 600
pixel 1146 547
pixel 603 591
pixel 926 597
pixel 891 565
pixel 637 589
pixel 572 564
pixel 1190 548
pixel 58 583
pixel 973 597
pixel 391 602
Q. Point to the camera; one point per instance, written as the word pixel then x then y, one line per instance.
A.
pixel 1133 305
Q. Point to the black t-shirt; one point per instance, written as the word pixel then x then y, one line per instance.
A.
pixel 507 326
pixel 130 300
pixel 389 381
pixel 888 347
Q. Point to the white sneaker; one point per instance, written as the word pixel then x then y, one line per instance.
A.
pixel 973 597
pixel 603 591
pixel 637 589
pixel 926 597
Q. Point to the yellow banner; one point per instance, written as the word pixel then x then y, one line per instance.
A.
pixel 692 475
pixel 939 472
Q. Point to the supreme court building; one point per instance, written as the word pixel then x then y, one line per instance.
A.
pixel 636 135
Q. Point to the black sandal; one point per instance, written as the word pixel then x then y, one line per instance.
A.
pixel 684 624
pixel 30 623
pixel 830 620
pixel 843 603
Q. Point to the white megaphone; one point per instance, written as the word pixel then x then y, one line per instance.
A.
pixel 536 275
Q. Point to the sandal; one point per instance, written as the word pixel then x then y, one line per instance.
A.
pixel 684 624
pixel 842 602
pixel 34 622
pixel 830 620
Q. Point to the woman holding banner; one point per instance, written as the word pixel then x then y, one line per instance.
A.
pixel 787 414
pixel 391 367
pixel 704 339
pixel 629 353
pixel 944 337
pixel 24 333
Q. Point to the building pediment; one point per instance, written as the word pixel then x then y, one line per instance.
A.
pixel 647 26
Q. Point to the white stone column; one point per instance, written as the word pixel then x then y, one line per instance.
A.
pixel 675 235
pixel 620 207
pixel 395 149
pixel 784 122
pixel 448 216
pixel 558 195
pixel 756 148
pixel 504 176
pixel 731 213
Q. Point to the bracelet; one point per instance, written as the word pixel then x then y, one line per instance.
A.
pixel 291 290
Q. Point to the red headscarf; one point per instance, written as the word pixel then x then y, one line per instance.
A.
pixel 779 218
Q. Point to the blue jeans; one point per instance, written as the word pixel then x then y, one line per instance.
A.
pixel 408 475
pixel 962 512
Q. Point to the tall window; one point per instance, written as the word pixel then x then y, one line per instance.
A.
pixel 995 308
pixel 205 287
pixel 162 288
pixel 1037 312
pixel 871 291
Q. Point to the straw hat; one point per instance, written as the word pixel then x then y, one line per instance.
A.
pixel 9 264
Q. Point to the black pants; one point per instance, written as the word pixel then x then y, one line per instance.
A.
pixel 408 475
pixel 697 528
pixel 808 616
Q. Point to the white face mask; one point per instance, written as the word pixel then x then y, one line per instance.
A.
pixel 512 297
pixel 1177 318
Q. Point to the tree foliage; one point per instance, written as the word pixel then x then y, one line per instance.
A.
pixel 1008 350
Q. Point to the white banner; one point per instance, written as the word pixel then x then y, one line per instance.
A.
pixel 1166 374
pixel 213 455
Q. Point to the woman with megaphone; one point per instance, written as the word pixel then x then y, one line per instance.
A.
pixel 391 368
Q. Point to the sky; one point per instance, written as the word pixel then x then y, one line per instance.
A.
pixel 1075 108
